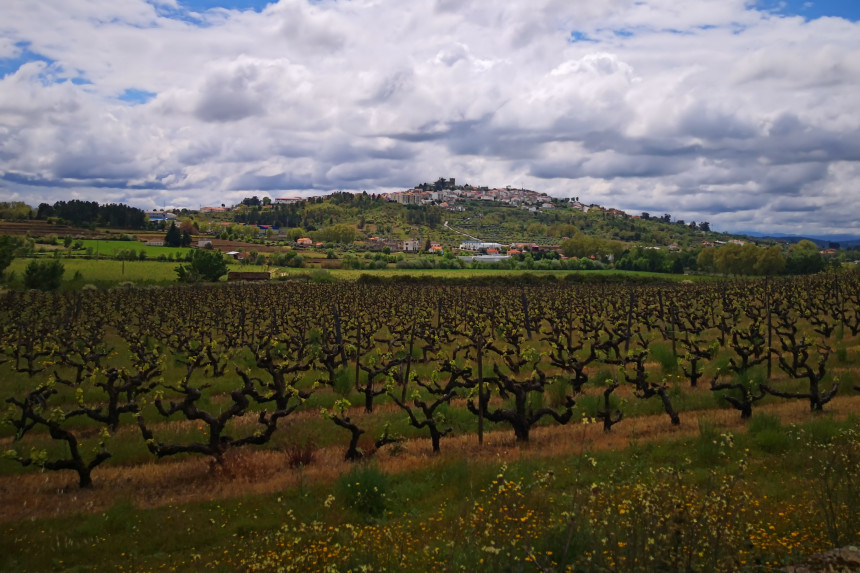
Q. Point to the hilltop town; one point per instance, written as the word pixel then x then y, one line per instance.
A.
pixel 446 193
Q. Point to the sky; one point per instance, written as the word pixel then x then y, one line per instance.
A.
pixel 743 113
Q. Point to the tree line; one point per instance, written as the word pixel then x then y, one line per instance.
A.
pixel 77 212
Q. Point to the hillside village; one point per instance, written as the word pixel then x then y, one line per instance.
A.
pixel 446 193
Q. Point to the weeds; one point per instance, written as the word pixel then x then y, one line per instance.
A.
pixel 664 356
pixel 301 455
pixel 834 471
pixel 364 489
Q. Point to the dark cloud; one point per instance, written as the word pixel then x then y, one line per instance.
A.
pixel 74 183
pixel 609 166
pixel 230 97
pixel 254 181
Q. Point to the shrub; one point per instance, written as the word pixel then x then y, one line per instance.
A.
pixel 322 276
pixel 8 245
pixel 44 275
pixel 205 266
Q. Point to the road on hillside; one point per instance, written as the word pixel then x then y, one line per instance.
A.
pixel 464 234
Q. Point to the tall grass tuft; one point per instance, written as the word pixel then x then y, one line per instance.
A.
pixel 343 382
pixel 708 444
pixel 664 356
pixel 301 455
pixel 365 490
pixel 768 433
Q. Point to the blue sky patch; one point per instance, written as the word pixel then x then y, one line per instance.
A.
pixel 577 36
pixel 11 65
pixel 813 9
pixel 203 5
pixel 136 97
pixel 193 11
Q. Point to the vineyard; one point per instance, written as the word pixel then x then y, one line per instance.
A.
pixel 301 379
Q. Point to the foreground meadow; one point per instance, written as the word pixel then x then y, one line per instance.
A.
pixel 713 493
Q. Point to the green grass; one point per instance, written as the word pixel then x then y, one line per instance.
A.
pixel 351 275
pixel 446 506
pixel 110 248
pixel 109 273
pixel 105 273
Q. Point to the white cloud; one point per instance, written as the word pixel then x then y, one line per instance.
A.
pixel 707 109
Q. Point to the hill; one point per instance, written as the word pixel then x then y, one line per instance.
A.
pixel 514 229
pixel 441 220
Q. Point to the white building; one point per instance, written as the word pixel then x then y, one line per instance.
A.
pixel 478 246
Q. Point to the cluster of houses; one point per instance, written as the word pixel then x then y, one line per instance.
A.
pixel 161 216
pixel 448 197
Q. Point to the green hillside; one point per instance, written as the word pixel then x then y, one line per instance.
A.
pixel 530 230
pixel 374 215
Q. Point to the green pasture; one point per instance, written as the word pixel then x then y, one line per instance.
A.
pixel 109 273
pixel 110 248
pixel 351 275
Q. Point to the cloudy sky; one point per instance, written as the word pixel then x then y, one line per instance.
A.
pixel 743 113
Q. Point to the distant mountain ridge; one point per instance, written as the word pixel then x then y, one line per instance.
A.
pixel 844 240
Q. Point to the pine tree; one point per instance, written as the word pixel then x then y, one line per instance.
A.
pixel 173 238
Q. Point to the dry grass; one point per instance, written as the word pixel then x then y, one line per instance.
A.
pixel 247 472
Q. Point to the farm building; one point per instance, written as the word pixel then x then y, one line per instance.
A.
pixel 478 246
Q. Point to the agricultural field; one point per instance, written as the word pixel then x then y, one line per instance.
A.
pixel 707 426
pixel 106 273
pixel 111 248
pixel 109 273
pixel 490 275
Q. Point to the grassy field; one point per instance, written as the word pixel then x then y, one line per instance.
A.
pixel 348 275
pixel 108 273
pixel 575 495
pixel 110 248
